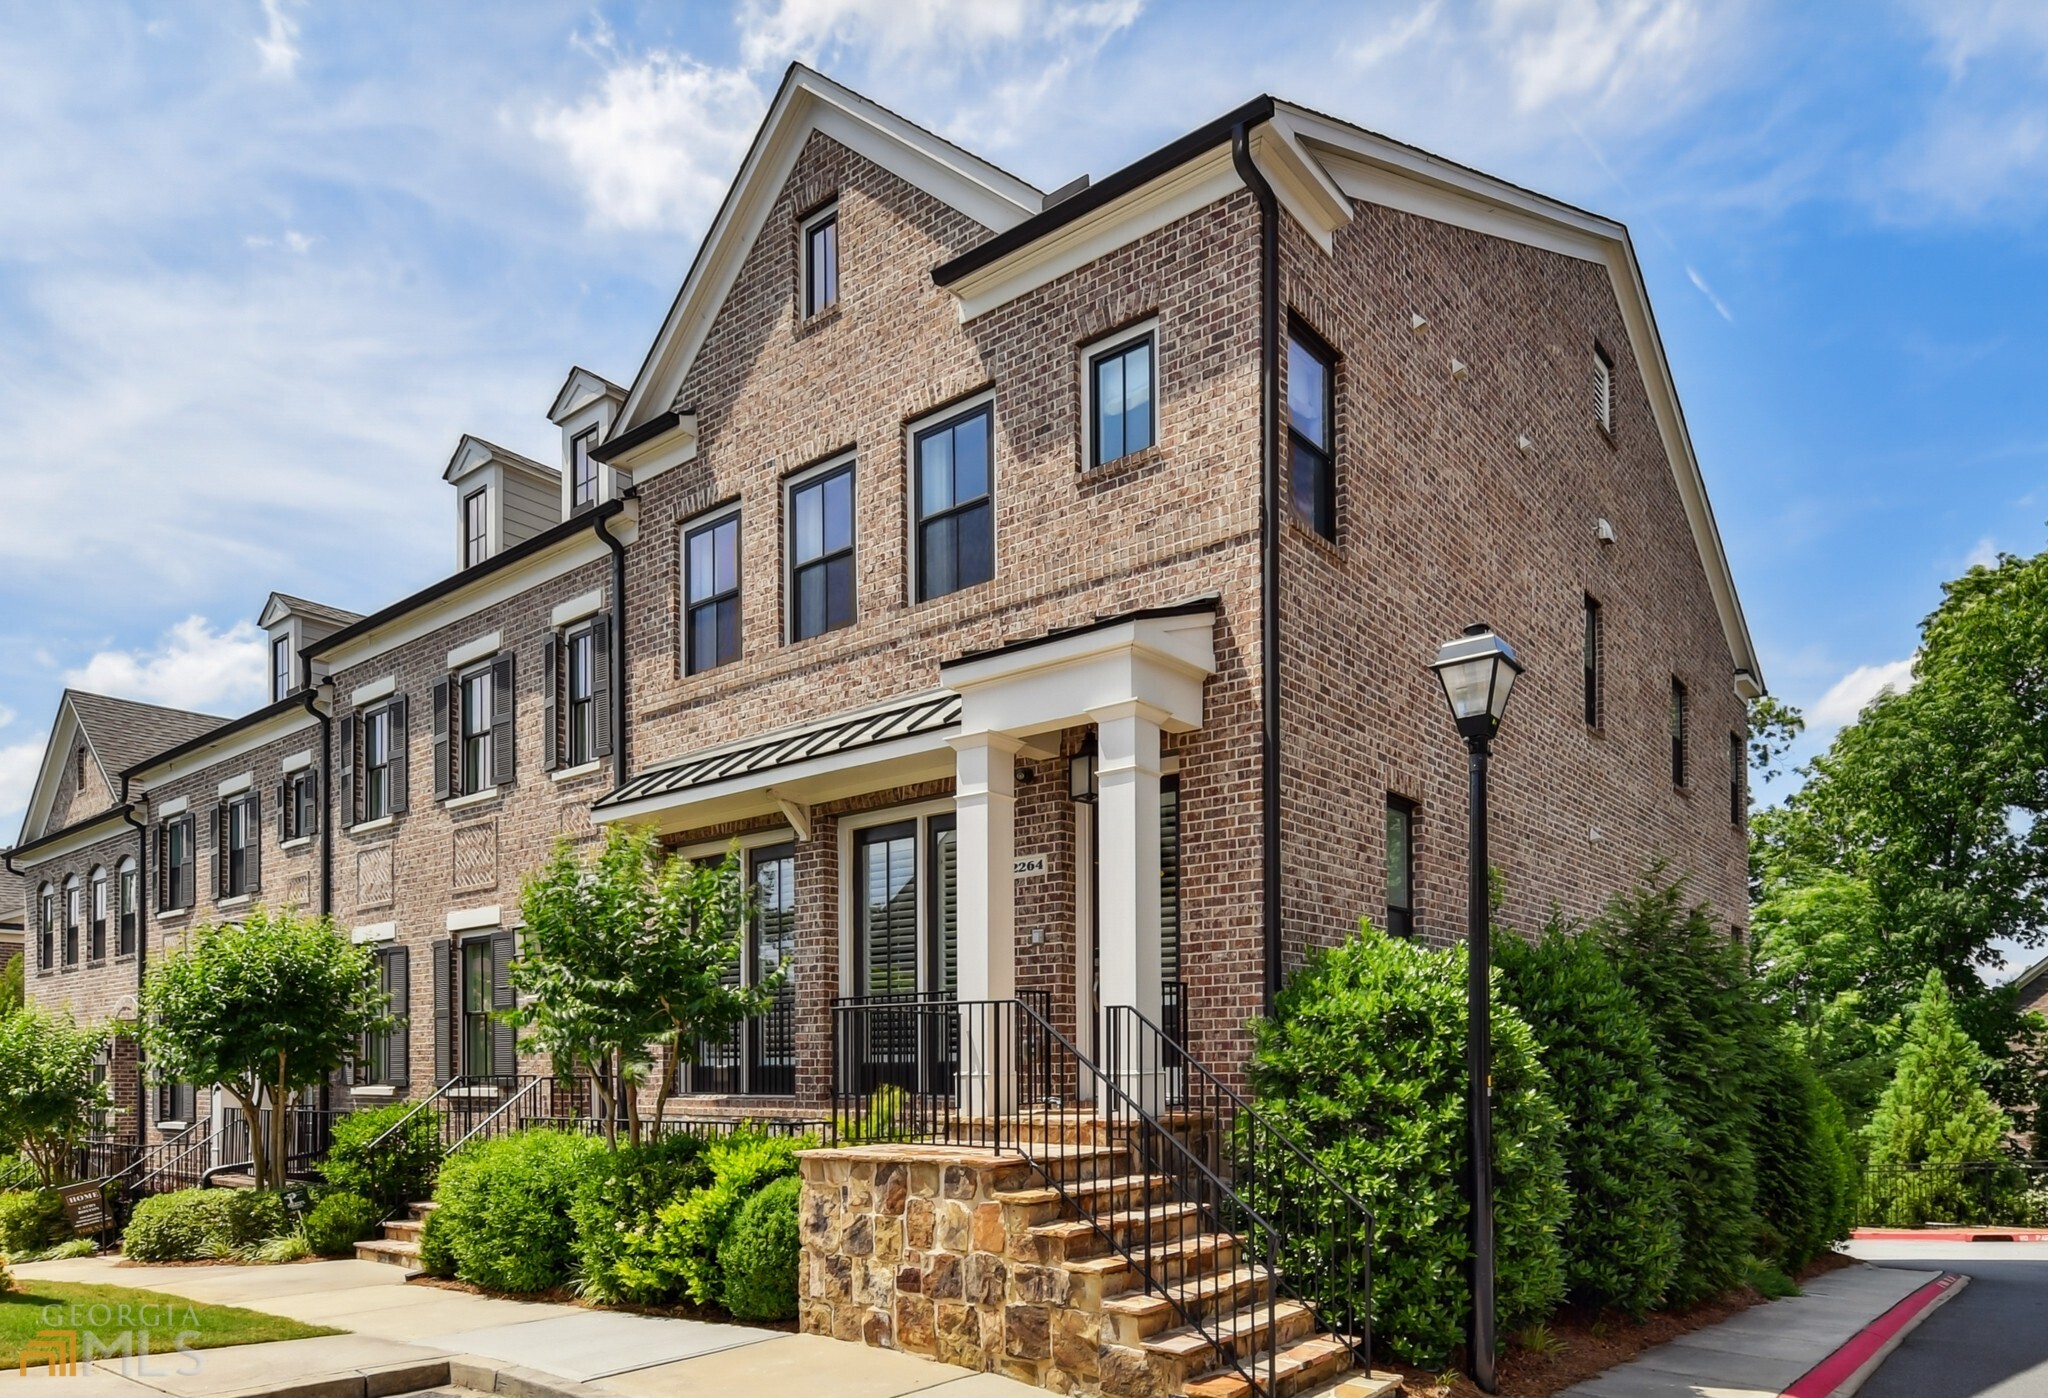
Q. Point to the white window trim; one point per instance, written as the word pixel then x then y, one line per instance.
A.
pixel 297 842
pixel 475 798
pixel 803 260
pixel 582 769
pixel 375 1090
pixel 239 900
pixel 373 691
pixel 371 932
pixel 472 919
pixel 235 786
pixel 481 648
pixel 296 762
pixel 914 554
pixel 380 823
pixel 790 486
pixel 849 827
pixel 577 609
pixel 175 807
pixel 1148 326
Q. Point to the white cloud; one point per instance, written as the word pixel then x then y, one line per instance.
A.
pixel 1850 694
pixel 19 763
pixel 193 667
pixel 1965 31
pixel 1984 555
pixel 1592 50
pixel 775 33
pixel 1700 283
pixel 278 44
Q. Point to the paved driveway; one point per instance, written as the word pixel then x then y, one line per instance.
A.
pixel 1989 1342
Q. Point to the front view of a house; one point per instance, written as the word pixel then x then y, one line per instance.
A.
pixel 1038 589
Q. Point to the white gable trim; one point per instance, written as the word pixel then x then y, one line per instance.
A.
pixel 807 102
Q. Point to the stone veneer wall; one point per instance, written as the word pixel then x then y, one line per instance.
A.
pixel 909 1248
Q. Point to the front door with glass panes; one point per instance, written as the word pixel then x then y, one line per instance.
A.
pixel 907 949
pixel 759 1056
pixel 479 978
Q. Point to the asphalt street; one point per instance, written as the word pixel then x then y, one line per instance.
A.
pixel 1991 1341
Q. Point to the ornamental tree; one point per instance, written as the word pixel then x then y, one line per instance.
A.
pixel 49 1096
pixel 626 965
pixel 266 1007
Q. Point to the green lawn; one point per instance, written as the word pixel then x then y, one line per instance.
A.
pixel 108 1315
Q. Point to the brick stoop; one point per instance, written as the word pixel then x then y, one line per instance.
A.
pixel 971 1257
pixel 400 1245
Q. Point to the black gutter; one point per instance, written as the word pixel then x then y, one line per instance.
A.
pixel 455 582
pixel 310 697
pixel 141 953
pixel 54 836
pixel 210 737
pixel 645 432
pixel 1108 190
pixel 1269 545
pixel 618 638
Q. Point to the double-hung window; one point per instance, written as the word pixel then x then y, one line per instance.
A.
pixel 583 469
pixel 238 852
pixel 821 262
pixel 479 978
pixel 96 949
pixel 956 528
pixel 579 659
pixel 1122 393
pixel 130 904
pixel 174 865
pixel 1311 432
pixel 711 592
pixel 280 667
pixel 473 761
pixel 379 732
pixel 74 897
pixel 1400 866
pixel 298 805
pixel 46 929
pixel 476 527
pixel 821 552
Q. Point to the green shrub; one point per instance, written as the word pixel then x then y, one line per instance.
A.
pixel 1622 1142
pixel 189 1224
pixel 30 1219
pixel 1689 977
pixel 340 1221
pixel 436 1260
pixel 1805 1161
pixel 616 1204
pixel 758 1259
pixel 678 1256
pixel 254 1216
pixel 292 1246
pixel 504 1208
pixel 1363 1063
pixel 402 1171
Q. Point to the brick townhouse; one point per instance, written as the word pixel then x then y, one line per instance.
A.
pixel 1039 589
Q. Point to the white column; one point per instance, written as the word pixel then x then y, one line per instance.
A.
pixel 985 805
pixel 1127 927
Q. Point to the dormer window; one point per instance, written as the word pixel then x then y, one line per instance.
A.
pixel 280 666
pixel 583 470
pixel 476 527
pixel 821 262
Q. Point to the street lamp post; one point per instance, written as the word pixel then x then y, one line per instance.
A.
pixel 1477 670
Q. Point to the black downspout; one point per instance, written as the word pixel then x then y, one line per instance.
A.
pixel 142 886
pixel 1269 548
pixel 618 548
pixel 311 699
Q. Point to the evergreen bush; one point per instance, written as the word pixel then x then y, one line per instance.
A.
pixel 616 1204
pixel 30 1220
pixel 679 1256
pixel 340 1221
pixel 1805 1163
pixel 399 1172
pixel 1935 1112
pixel 1622 1142
pixel 1363 1064
pixel 758 1259
pixel 1688 976
pixel 503 1220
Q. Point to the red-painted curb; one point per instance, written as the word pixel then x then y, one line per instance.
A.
pixel 1872 1342
pixel 1949 1235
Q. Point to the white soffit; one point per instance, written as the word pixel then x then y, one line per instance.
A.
pixel 809 102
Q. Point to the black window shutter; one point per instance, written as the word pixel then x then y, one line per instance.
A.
pixel 504 728
pixel 220 850
pixel 601 684
pixel 163 868
pixel 254 834
pixel 504 1040
pixel 163 1101
pixel 311 778
pixel 443 778
pixel 284 809
pixel 443 953
pixel 398 975
pixel 351 813
pixel 551 703
pixel 401 757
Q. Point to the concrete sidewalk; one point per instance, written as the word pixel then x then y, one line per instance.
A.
pixel 400 1332
pixel 1760 1352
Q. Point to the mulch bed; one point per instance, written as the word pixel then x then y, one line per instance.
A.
pixel 566 1296
pixel 1585 1344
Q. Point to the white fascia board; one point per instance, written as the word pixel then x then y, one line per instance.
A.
pixel 578 549
pixel 1174 195
pixel 63 734
pixel 1300 183
pixel 809 102
pixel 1158 664
pixel 905 761
pixel 231 749
pixel 666 452
pixel 104 827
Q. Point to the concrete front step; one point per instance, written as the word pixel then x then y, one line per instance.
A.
pixel 1294 1368
pixel 404 1230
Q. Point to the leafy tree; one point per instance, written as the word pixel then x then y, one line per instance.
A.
pixel 1936 1110
pixel 1690 979
pixel 1622 1142
pixel 1774 726
pixel 49 1099
pixel 266 1008
pixel 627 956
pixel 11 996
pixel 1806 1172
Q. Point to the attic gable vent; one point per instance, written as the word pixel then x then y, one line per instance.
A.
pixel 1603 389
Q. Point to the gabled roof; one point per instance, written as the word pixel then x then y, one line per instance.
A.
pixel 283 604
pixel 473 453
pixel 2030 975
pixel 118 733
pixel 806 102
pixel 579 389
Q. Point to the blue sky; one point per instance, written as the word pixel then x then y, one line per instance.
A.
pixel 261 264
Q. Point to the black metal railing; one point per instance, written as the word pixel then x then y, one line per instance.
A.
pixel 1324 1230
pixel 309 1132
pixel 1148 1180
pixel 99 1158
pixel 1981 1193
pixel 178 1162
pixel 756 1056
